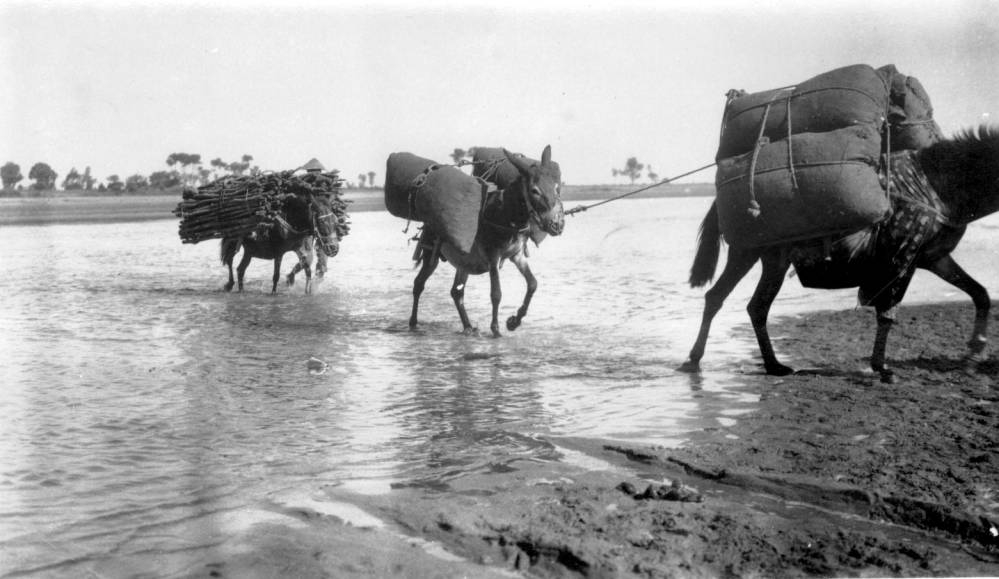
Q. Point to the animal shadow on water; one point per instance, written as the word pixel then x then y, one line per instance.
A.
pixel 935 193
pixel 528 207
pixel 306 218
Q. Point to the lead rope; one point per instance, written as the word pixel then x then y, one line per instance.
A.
pixel 790 154
pixel 646 188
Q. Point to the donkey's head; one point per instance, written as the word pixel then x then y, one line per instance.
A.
pixel 324 222
pixel 541 185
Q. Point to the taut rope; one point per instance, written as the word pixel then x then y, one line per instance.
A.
pixel 646 188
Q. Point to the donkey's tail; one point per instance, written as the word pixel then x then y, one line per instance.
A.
pixel 708 248
pixel 228 249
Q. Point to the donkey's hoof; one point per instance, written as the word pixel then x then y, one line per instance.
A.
pixel 888 377
pixel 470 331
pixel 779 370
pixel 690 367
pixel 512 323
pixel 228 287
pixel 290 280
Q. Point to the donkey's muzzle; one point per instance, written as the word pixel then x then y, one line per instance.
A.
pixel 330 248
pixel 554 223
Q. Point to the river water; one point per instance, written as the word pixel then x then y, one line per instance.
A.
pixel 140 401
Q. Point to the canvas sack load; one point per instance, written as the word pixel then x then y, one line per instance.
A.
pixel 852 95
pixel 826 184
pixel 910 113
pixel 490 164
pixel 447 201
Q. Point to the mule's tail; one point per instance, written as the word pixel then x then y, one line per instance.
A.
pixel 708 248
pixel 228 249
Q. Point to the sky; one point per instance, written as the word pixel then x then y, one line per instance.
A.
pixel 119 86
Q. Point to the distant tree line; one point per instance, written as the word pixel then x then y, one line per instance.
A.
pixel 184 170
pixel 633 171
pixel 187 170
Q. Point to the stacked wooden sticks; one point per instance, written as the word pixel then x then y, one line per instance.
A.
pixel 240 206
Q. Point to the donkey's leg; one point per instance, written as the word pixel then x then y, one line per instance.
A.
pixel 241 268
pixel 321 266
pixel 458 295
pixel 277 273
pixel 950 271
pixel 775 264
pixel 520 260
pixel 738 264
pixel 430 260
pixel 305 262
pixel 308 276
pixel 290 278
pixel 886 319
pixel 231 282
pixel 886 307
pixel 495 295
pixel 228 250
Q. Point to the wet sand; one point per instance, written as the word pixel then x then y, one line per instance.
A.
pixel 836 474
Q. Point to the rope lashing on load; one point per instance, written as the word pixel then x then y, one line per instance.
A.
pixel 581 208
pixel 414 188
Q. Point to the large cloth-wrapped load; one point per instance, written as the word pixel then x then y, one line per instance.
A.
pixel 852 95
pixel 844 122
pixel 447 201
pixel 490 164
pixel 237 206
pixel 826 184
pixel 910 113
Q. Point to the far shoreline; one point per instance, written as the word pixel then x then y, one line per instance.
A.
pixel 69 208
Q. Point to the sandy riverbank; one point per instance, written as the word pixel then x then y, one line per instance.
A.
pixel 835 474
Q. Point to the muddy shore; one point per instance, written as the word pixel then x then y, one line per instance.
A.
pixel 835 474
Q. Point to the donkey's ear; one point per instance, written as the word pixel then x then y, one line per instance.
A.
pixel 518 162
pixel 546 156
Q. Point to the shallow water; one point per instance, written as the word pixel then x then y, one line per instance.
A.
pixel 142 404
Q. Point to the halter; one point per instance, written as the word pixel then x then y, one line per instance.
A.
pixel 323 239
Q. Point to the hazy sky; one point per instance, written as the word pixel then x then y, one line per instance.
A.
pixel 118 86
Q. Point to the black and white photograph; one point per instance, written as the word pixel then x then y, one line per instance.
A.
pixel 383 289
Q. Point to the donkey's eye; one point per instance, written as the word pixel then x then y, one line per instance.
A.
pixel 536 191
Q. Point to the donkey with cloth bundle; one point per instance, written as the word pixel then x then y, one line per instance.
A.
pixel 840 195
pixel 472 226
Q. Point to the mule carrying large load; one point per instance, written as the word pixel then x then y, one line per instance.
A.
pixel 448 201
pixel 806 161
pixel 233 207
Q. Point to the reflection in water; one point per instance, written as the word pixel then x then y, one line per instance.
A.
pixel 143 406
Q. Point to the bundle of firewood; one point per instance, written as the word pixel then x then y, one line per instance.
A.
pixel 239 206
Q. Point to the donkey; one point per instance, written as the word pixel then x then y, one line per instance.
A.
pixel 505 224
pixel 307 216
pixel 936 192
